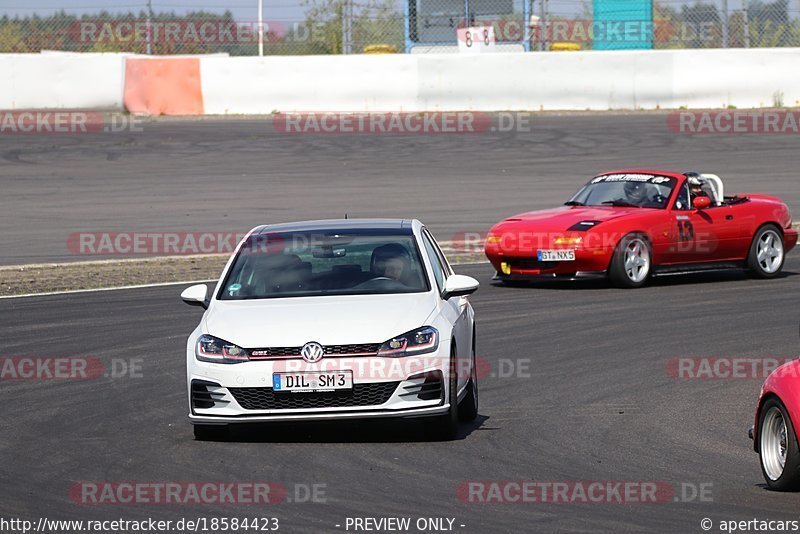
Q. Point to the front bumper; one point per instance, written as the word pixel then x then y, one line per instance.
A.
pixel 570 277
pixel 382 387
pixel 370 414
pixel 588 263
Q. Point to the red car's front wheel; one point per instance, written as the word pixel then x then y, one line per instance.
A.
pixel 632 261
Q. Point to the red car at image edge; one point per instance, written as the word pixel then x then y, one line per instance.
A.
pixel 774 436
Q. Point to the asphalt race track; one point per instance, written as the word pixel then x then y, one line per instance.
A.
pixel 581 384
pixel 595 401
pixel 215 175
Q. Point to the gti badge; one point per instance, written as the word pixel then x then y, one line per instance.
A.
pixel 312 352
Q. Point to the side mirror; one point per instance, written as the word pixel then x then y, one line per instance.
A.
pixel 459 285
pixel 196 295
pixel 701 203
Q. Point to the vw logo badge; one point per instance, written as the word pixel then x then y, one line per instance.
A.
pixel 312 352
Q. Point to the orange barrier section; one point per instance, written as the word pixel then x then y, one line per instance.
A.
pixel 163 86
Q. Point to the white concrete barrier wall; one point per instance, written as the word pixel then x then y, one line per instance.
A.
pixel 309 83
pixel 428 82
pixel 504 81
pixel 753 78
pixel 61 81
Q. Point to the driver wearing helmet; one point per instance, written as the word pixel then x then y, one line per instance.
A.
pixel 698 188
pixel 637 193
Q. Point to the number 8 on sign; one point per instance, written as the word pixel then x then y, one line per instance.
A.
pixel 476 39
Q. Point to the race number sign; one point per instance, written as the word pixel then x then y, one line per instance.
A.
pixel 476 40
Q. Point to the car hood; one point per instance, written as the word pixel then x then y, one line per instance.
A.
pixel 329 320
pixel 563 218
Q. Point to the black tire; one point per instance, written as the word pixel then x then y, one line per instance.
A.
pixel 618 274
pixel 468 407
pixel 789 480
pixel 445 427
pixel 211 432
pixel 754 266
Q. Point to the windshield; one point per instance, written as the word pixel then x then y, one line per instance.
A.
pixel 303 264
pixel 631 190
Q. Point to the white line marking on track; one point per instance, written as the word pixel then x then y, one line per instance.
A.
pixel 142 286
pixel 99 289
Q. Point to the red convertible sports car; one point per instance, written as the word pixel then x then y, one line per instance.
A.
pixel 632 224
pixel 774 437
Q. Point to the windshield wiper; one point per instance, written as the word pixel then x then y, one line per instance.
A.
pixel 573 203
pixel 621 203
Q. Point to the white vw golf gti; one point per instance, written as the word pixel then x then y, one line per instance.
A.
pixel 332 320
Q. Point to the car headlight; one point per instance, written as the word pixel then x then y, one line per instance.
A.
pixel 215 350
pixel 419 341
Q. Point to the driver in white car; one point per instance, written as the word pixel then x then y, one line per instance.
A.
pixel 391 261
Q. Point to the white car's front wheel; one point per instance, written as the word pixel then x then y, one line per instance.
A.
pixel 468 407
pixel 445 427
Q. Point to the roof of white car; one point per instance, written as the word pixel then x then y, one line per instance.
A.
pixel 402 225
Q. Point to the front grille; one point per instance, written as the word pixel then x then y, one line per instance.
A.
pixel 362 349
pixel 373 394
pixel 275 352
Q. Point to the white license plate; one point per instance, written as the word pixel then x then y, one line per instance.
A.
pixel 556 255
pixel 312 382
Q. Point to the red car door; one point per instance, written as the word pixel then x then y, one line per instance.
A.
pixel 701 235
pixel 710 234
pixel 680 232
